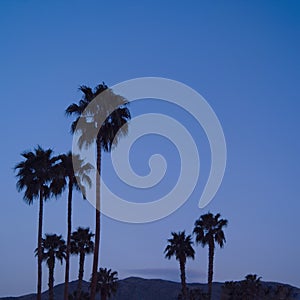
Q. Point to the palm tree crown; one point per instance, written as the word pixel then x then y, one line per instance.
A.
pixel 36 173
pixel 110 107
pixel 209 228
pixel 180 246
pixel 53 247
pixel 71 170
pixel 81 241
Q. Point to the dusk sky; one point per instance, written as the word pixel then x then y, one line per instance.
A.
pixel 242 57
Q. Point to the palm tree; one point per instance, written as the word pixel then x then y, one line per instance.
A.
pixel 105 139
pixel 208 230
pixel 81 244
pixel 181 247
pixel 35 175
pixel 66 176
pixel 107 283
pixel 53 247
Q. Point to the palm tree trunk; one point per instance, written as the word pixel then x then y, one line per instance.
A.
pixel 40 232
pixel 67 270
pixel 103 295
pixel 183 279
pixel 97 221
pixel 51 280
pixel 80 274
pixel 211 252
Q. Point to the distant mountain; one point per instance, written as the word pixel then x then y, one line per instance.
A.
pixel 134 288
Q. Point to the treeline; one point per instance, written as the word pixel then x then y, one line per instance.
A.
pixel 41 175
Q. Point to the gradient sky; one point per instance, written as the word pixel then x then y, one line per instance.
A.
pixel 243 57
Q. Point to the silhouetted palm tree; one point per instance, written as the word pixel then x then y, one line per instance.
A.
pixel 35 175
pixel 107 283
pixel 181 247
pixel 53 247
pixel 81 244
pixel 208 230
pixel 104 102
pixel 66 176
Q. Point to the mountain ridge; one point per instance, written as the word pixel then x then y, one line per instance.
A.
pixel 137 288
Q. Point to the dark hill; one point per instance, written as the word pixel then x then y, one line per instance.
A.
pixel 134 288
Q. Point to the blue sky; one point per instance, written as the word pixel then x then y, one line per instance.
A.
pixel 243 57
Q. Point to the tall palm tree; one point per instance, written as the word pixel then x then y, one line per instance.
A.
pixel 81 244
pixel 115 122
pixel 53 247
pixel 66 176
pixel 107 283
pixel 181 247
pixel 208 230
pixel 35 176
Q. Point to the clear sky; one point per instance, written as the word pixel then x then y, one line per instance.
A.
pixel 243 57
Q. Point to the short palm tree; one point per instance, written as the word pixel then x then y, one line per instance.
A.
pixel 208 230
pixel 114 122
pixel 35 175
pixel 81 244
pixel 66 176
pixel 180 246
pixel 107 283
pixel 253 279
pixel 53 247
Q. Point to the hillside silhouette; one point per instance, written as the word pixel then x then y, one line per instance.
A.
pixel 135 288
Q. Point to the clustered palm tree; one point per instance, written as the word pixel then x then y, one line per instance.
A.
pixel 208 230
pixel 42 175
